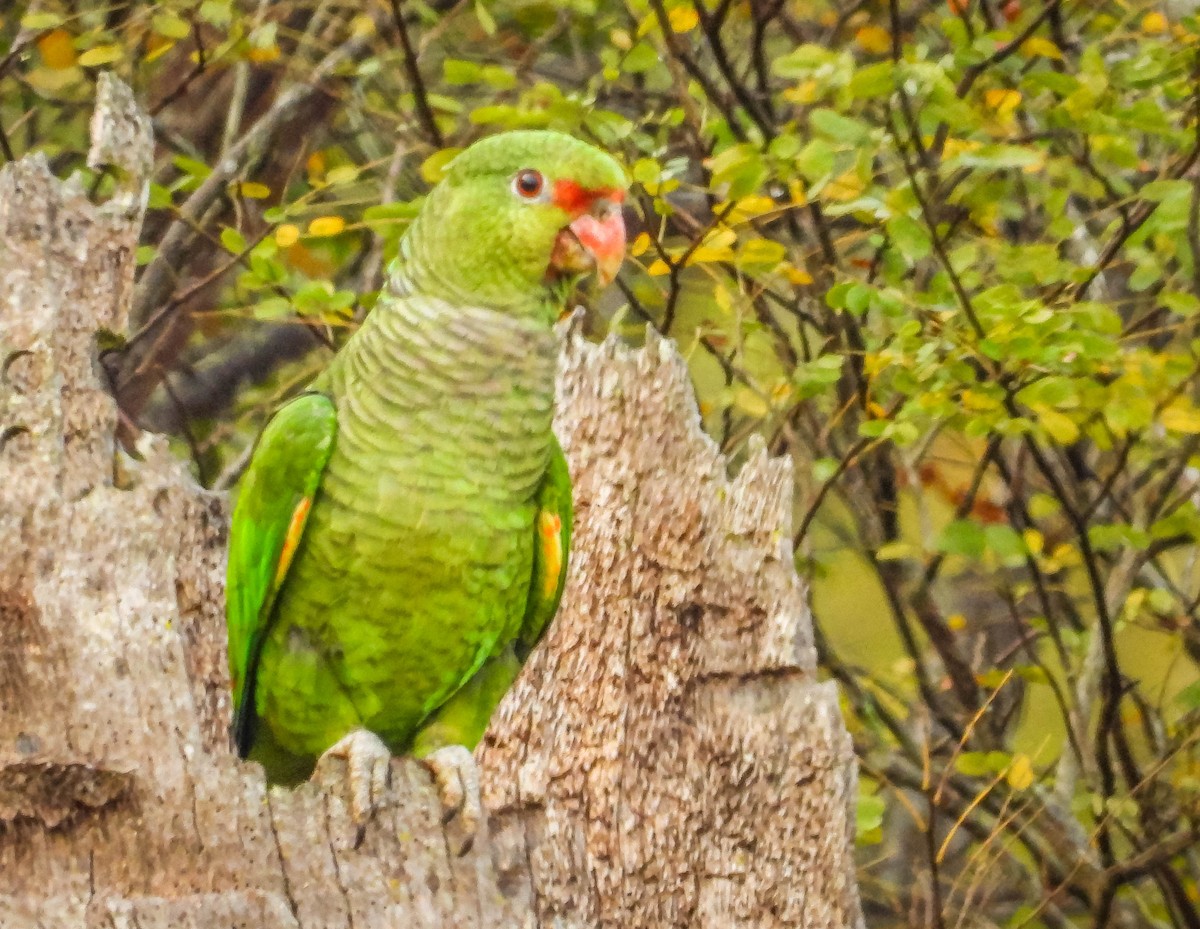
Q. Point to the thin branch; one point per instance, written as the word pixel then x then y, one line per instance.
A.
pixel 420 97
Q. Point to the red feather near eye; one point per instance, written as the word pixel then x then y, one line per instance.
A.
pixel 574 198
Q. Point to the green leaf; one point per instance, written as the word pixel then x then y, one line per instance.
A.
pixel 910 236
pixel 1189 697
pixel 191 167
pixel 868 819
pixel 38 22
pixel 838 127
pixel 171 26
pixel 1006 543
pixel 641 58
pixel 1159 191
pixel 740 167
pixel 484 18
pixel 815 161
pixel 233 241
pixel 457 71
pixel 217 12
pixel 498 77
pixel 874 80
pixel 981 764
pixel 273 308
pixel 101 55
pixel 160 197
pixel 1180 302
pixel 802 61
pixel 962 537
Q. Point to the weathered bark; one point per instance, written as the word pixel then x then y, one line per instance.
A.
pixel 667 760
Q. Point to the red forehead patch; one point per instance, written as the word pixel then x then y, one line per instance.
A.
pixel 574 198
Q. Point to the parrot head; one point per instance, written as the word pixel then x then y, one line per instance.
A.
pixel 520 214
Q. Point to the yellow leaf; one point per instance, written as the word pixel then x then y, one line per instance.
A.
pixel 252 190
pixel 1154 23
pixel 1020 772
pixel 706 254
pixel 723 237
pixel 804 92
pixel 874 39
pixel 1037 45
pixel 874 362
pixel 761 252
pixel 315 164
pixel 683 18
pixel 844 188
pixel 158 46
pixel 797 276
pixel 1002 100
pixel 749 207
pixel 171 26
pixel 658 268
pixel 57 49
pixel 341 174
pixel 1034 541
pixel 362 25
pixel 957 622
pixel 287 235
pixel 723 298
pixel 45 80
pixel 894 551
pixel 955 147
pixel 975 401
pixel 1058 426
pixel 1181 417
pixel 640 244
pixel 326 225
pixel 101 55
pixel 750 402
pixel 433 167
pixel 263 55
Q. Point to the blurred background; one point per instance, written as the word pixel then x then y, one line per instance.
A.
pixel 944 253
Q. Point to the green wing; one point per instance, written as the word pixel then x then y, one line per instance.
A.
pixel 268 523
pixel 462 719
pixel 551 551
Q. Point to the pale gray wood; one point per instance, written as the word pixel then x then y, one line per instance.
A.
pixel 667 760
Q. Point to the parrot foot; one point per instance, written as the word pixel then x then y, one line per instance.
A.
pixel 456 777
pixel 368 774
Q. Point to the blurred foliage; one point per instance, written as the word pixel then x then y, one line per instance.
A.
pixel 945 253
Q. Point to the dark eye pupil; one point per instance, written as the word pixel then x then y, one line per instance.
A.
pixel 530 182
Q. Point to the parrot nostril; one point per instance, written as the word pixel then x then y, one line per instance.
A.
pixel 604 209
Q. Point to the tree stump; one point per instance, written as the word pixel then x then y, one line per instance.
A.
pixel 668 758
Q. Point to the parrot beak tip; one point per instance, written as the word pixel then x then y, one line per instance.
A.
pixel 592 242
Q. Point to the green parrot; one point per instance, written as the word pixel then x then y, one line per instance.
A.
pixel 400 537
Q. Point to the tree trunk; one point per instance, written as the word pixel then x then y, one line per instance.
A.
pixel 668 758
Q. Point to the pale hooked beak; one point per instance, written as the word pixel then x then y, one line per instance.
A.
pixel 593 241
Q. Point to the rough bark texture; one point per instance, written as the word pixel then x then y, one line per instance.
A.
pixel 668 759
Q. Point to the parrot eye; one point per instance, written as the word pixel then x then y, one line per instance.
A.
pixel 528 183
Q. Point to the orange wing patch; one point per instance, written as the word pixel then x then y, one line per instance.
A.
pixel 550 527
pixel 292 539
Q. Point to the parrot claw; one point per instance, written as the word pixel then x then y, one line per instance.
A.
pixel 368 774
pixel 456 777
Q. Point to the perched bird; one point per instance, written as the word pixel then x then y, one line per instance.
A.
pixel 400 537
